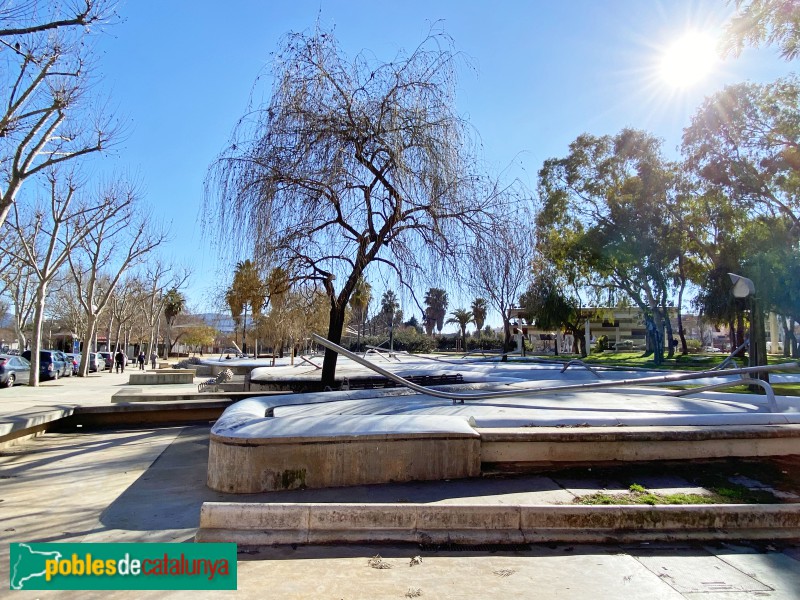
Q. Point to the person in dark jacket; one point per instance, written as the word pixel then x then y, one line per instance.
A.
pixel 141 361
pixel 119 360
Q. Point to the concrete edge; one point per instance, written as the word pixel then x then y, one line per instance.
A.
pixel 19 427
pixel 274 524
pixel 639 433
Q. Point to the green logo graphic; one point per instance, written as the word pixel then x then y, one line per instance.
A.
pixel 122 566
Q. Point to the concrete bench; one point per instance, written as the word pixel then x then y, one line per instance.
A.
pixel 161 377
pixel 250 453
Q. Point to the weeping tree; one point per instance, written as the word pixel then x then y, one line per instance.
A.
pixel 351 162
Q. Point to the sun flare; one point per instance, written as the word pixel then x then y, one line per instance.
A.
pixel 689 60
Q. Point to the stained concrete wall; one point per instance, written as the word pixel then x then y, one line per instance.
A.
pixel 250 466
pixel 543 446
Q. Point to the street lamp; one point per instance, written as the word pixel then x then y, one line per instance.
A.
pixel 757 355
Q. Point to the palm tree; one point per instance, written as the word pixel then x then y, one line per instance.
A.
pixel 436 300
pixel 247 290
pixel 479 308
pixel 462 317
pixel 175 303
pixel 389 307
pixel 359 301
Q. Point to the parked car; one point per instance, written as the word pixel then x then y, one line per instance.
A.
pixel 67 370
pixel 108 358
pixel 74 362
pixel 13 369
pixel 711 349
pixel 51 365
pixel 96 362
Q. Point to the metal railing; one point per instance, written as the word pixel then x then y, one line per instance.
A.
pixel 581 387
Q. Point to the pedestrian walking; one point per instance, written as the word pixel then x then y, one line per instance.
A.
pixel 153 357
pixel 119 360
pixel 141 361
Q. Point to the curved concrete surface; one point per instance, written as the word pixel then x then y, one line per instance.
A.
pixel 354 427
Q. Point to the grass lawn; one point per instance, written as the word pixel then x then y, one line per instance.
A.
pixel 691 362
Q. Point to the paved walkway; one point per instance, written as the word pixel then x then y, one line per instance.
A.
pixel 147 485
pixel 94 390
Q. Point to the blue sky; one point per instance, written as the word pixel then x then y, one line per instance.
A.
pixel 180 74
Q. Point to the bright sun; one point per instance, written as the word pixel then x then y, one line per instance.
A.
pixel 688 60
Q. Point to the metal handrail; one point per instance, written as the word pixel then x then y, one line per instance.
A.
pixel 729 359
pixel 580 363
pixel 305 360
pixel 772 402
pixel 460 397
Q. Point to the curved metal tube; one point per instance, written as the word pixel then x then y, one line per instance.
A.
pixel 578 387
pixel 772 402
pixel 578 362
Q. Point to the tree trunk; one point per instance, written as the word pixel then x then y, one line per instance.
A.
pixel 788 336
pixel 335 328
pixel 758 339
pixel 739 333
pixel 681 332
pixel 506 335
pixel 91 327
pixel 580 341
pixel 36 337
pixel 108 334
pixel 671 348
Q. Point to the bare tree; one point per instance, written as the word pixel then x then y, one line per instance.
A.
pixel 351 163
pixel 156 278
pixel 64 305
pixel 498 266
pixel 122 236
pixel 121 304
pixel 46 118
pixel 47 234
pixel 20 282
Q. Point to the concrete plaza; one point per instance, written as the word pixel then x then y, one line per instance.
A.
pixel 147 484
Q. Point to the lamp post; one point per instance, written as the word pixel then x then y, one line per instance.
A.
pixel 757 354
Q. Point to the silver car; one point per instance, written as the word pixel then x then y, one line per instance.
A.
pixel 13 369
pixel 96 362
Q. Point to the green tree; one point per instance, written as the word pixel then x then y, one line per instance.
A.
pixel 548 304
pixel 479 308
pixel 436 309
pixel 462 317
pixel 198 337
pixel 390 307
pixel 611 194
pixel 359 302
pixel 746 141
pixel 770 21
pixel 352 162
pixel 247 290
pixel 174 304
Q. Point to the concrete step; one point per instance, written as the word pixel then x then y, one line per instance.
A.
pixel 256 524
